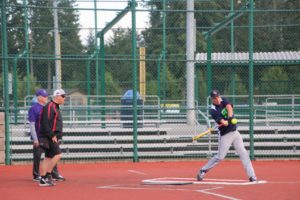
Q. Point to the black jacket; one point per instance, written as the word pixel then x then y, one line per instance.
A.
pixel 51 123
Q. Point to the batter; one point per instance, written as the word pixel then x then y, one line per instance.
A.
pixel 222 112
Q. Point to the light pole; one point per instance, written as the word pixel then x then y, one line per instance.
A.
pixel 50 34
pixel 57 52
pixel 190 64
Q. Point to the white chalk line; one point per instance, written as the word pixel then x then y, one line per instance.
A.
pixel 174 181
pixel 124 187
pixel 229 183
pixel 206 191
pixel 193 179
pixel 284 182
pixel 171 180
pixel 137 172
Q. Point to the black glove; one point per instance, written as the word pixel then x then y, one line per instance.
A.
pixel 232 120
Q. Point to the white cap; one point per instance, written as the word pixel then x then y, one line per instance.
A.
pixel 59 92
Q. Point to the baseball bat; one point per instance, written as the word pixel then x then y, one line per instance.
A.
pixel 209 130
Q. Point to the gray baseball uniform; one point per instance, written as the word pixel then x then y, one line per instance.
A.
pixel 228 135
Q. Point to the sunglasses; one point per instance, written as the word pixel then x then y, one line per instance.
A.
pixel 63 96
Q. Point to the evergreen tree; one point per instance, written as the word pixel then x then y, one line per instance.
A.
pixel 274 81
pixel 118 57
pixel 73 71
pixel 15 31
pixel 176 37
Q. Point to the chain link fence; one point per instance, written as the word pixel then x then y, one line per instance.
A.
pixel 102 57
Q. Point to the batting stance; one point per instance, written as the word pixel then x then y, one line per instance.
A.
pixel 222 112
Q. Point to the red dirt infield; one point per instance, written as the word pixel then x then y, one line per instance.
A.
pixel 123 181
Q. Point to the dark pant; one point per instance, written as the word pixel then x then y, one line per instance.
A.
pixel 37 152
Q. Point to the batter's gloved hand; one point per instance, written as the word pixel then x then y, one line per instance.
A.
pixel 232 120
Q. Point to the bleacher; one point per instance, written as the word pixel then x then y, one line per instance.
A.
pixel 156 143
pixel 162 135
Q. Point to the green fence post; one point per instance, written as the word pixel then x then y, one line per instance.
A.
pixel 134 66
pixel 251 65
pixel 5 76
pixel 96 45
pixel 158 83
pixel 15 88
pixel 233 74
pixel 102 63
pixel 158 76
pixel 164 81
pixel 233 85
pixel 88 79
pixel 209 67
pixel 197 85
pixel 232 27
pixel 102 77
pixel 26 51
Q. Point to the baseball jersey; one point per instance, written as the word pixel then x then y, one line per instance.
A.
pixel 219 112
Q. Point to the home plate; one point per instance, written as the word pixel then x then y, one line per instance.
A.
pixel 185 181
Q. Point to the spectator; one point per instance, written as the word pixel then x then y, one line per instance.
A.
pixel 41 98
pixel 51 125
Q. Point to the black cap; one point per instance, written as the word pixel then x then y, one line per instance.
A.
pixel 214 93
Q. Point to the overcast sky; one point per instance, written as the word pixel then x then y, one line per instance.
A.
pixel 86 17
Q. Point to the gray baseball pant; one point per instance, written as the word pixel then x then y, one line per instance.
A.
pixel 225 142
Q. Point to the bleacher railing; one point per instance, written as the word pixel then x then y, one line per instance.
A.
pixel 269 110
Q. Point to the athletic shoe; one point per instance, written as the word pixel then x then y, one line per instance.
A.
pixel 36 178
pixel 45 182
pixel 58 178
pixel 253 179
pixel 201 175
pixel 49 177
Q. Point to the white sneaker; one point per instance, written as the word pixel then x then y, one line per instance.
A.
pixel 36 178
pixel 58 178
pixel 45 182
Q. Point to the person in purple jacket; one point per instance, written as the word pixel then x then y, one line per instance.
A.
pixel 33 118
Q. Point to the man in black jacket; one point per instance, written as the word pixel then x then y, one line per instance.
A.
pixel 50 130
pixel 33 118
